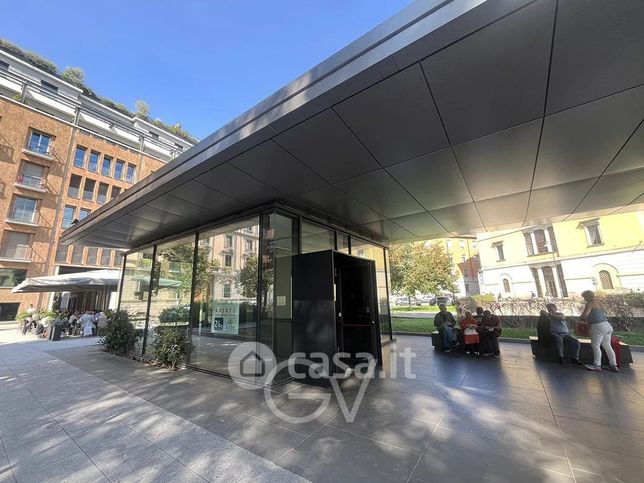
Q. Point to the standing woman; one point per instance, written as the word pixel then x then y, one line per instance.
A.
pixel 600 331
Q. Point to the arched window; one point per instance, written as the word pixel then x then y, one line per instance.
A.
pixel 605 280
pixel 506 285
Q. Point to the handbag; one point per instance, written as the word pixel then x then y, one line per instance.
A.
pixel 582 329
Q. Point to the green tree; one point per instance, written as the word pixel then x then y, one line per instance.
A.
pixel 74 75
pixel 183 257
pixel 248 278
pixel 417 268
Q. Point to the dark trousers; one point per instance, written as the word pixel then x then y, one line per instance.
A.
pixel 573 344
pixel 489 342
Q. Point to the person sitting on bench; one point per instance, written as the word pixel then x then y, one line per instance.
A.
pixel 561 334
pixel 489 333
pixel 444 321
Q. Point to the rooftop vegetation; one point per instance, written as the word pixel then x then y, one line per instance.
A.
pixel 76 77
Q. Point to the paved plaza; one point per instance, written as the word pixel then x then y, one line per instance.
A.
pixel 69 412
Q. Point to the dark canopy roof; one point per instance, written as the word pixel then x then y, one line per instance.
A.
pixel 452 117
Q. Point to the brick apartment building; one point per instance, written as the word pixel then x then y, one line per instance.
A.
pixel 62 155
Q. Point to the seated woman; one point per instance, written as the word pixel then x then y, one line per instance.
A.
pixel 489 332
pixel 470 334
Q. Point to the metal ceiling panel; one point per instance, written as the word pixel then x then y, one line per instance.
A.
pixel 385 230
pixel 236 184
pixel 614 190
pixel 434 180
pixel 327 146
pixel 421 225
pixel 495 78
pixel 205 197
pixel 399 107
pixel 335 203
pixel 380 192
pixel 501 163
pixel 459 218
pixel 632 154
pixel 557 200
pixel 580 142
pixel 181 207
pixel 278 169
pixel 599 50
pixel 503 210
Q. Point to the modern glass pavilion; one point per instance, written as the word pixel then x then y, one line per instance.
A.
pixel 451 118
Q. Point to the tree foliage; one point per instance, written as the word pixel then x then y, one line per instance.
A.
pixel 417 268
pixel 248 278
pixel 142 108
pixel 183 258
pixel 74 75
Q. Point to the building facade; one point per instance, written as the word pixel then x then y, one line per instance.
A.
pixel 604 253
pixel 464 254
pixel 62 156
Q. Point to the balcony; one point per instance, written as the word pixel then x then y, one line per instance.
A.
pixel 42 150
pixel 34 183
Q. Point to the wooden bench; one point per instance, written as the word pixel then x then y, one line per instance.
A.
pixel 585 351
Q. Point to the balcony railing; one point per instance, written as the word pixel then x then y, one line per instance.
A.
pixel 31 181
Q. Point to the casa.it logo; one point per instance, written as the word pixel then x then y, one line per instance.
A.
pixel 253 365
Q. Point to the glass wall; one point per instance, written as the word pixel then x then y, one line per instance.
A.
pixel 316 238
pixel 363 249
pixel 225 302
pixel 278 247
pixel 171 286
pixel 135 289
pixel 343 242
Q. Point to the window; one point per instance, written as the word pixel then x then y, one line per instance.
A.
pixel 10 277
pixel 106 169
pixel 83 213
pixel 93 161
pixel 461 243
pixel 92 255
pixel 226 290
pixel 39 143
pixel 24 210
pixel 106 257
pixel 31 175
pixel 101 198
pixel 316 238
pixel 593 235
pixel 74 186
pixel 474 245
pixel 118 169
pixel 449 244
pixel 228 260
pixel 49 86
pixel 130 177
pixel 77 254
pixel 537 282
pixel 4 65
pixel 540 241
pixel 228 241
pixel 61 253
pixel 15 245
pixel 68 216
pixel 549 279
pixel 118 259
pixel 506 285
pixel 500 256
pixel 88 190
pixel 154 135
pixel 605 280
pixel 528 243
pixel 79 157
pixel 462 258
pixel 249 245
pixel 475 257
pixel 466 273
pixel 115 192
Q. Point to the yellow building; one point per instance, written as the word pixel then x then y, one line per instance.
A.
pixel 565 258
pixel 464 254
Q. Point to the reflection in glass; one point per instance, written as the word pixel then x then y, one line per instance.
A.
pixel 316 238
pixel 343 243
pixel 279 246
pixel 364 249
pixel 171 286
pixel 136 288
pixel 225 301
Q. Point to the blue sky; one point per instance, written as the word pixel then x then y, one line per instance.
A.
pixel 198 62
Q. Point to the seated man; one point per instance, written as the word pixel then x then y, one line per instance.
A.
pixel 479 315
pixel 444 321
pixel 489 332
pixel 560 334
